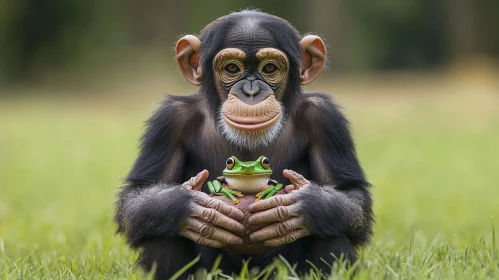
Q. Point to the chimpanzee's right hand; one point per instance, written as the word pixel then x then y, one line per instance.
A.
pixel 211 222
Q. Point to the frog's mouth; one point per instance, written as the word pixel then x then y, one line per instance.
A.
pixel 248 174
pixel 251 117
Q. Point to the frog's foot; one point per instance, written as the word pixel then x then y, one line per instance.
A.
pixel 236 193
pixel 268 191
pixel 216 188
pixel 228 192
pixel 265 188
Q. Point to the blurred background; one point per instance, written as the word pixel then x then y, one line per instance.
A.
pixel 419 80
pixel 41 39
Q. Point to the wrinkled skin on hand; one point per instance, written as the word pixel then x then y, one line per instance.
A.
pixel 210 222
pixel 284 212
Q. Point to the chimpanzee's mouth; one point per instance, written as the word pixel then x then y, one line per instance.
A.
pixel 251 123
pixel 242 116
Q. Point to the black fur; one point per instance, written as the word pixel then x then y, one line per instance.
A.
pixel 182 138
pixel 158 211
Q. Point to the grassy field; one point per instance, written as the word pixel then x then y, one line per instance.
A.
pixel 429 146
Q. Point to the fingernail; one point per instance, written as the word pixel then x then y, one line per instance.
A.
pixel 240 214
pixel 254 207
pixel 252 238
pixel 240 241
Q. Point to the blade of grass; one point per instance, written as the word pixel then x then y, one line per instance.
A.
pixel 291 269
pixel 185 268
pixel 216 264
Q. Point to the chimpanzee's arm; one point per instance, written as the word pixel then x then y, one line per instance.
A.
pixel 153 203
pixel 338 202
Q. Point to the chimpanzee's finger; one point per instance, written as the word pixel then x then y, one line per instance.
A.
pixel 290 188
pixel 210 231
pixel 295 178
pixel 199 239
pixel 205 200
pixel 212 216
pixel 273 202
pixel 195 183
pixel 288 238
pixel 277 229
pixel 277 214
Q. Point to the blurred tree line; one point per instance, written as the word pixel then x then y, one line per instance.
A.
pixel 361 35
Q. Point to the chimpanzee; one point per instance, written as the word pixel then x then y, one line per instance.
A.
pixel 250 67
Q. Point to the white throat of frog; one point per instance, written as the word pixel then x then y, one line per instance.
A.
pixel 247 184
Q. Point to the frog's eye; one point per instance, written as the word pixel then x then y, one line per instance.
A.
pixel 230 163
pixel 265 162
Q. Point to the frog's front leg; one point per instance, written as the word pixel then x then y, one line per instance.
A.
pixel 217 188
pixel 269 190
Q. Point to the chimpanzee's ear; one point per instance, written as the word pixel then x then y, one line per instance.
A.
pixel 313 58
pixel 187 51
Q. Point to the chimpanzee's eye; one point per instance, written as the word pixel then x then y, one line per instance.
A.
pixel 265 162
pixel 230 163
pixel 269 68
pixel 232 68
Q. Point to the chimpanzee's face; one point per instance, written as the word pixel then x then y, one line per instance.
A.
pixel 251 75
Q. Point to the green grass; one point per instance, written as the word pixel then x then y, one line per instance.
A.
pixel 433 161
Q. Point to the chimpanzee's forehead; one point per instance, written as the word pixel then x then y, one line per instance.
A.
pixel 249 36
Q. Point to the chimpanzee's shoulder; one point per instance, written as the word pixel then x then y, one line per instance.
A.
pixel 318 116
pixel 181 104
pixel 317 101
pixel 318 107
pixel 178 113
pixel 186 107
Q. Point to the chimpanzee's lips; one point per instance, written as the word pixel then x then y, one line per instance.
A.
pixel 251 124
pixel 251 117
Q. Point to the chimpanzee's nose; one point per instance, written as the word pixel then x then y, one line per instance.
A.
pixel 251 88
pixel 251 92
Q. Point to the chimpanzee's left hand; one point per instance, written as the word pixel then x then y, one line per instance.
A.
pixel 284 212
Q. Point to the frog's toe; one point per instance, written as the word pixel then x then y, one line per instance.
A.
pixel 270 194
pixel 234 192
pixel 264 192
pixel 239 194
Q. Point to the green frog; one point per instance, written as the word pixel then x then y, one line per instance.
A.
pixel 245 177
